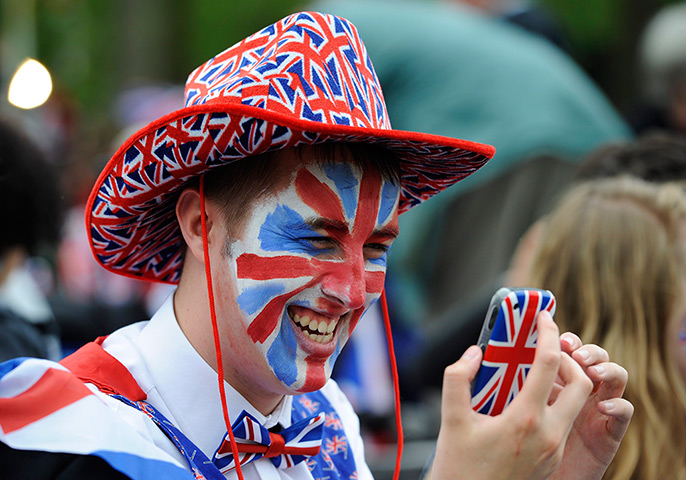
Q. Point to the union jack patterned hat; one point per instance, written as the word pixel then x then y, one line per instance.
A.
pixel 306 79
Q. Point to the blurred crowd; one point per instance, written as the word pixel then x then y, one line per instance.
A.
pixel 581 198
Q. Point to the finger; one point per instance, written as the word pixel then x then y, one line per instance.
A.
pixel 613 379
pixel 575 392
pixel 619 411
pixel 539 383
pixel 570 342
pixel 456 396
pixel 590 354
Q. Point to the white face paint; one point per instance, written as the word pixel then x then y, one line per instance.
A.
pixel 310 261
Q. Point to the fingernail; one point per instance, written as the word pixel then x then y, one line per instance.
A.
pixel 609 405
pixel 565 338
pixel 584 354
pixel 599 369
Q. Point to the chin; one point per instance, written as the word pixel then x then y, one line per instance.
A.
pixel 312 375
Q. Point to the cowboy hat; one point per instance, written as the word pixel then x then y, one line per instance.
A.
pixel 304 80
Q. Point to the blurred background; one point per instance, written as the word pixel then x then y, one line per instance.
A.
pixel 78 77
pixel 96 50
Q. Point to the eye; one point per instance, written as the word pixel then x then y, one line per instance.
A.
pixel 376 250
pixel 320 243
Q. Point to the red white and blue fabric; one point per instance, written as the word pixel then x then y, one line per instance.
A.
pixel 334 461
pixel 287 448
pixel 44 407
pixel 199 464
pixel 510 351
pixel 304 80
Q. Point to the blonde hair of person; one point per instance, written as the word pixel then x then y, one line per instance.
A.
pixel 614 254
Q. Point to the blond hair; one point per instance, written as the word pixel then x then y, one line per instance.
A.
pixel 613 252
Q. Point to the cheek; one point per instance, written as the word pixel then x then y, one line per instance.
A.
pixel 355 318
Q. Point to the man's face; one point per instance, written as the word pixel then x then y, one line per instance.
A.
pixel 308 263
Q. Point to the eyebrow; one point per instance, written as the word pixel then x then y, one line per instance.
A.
pixel 389 231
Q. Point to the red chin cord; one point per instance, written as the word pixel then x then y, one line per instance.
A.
pixel 220 363
pixel 215 330
pixel 396 384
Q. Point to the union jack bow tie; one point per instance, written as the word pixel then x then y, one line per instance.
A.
pixel 285 449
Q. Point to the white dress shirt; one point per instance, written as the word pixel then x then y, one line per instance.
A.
pixel 183 387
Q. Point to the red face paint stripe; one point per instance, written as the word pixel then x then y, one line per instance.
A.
pixel 315 367
pixel 267 320
pixel 255 267
pixel 375 281
pixel 318 196
pixel 368 204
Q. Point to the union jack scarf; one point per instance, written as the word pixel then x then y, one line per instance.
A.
pixel 42 405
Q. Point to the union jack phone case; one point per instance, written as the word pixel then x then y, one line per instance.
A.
pixel 508 340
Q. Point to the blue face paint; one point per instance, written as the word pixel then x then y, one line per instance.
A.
pixel 282 353
pixel 285 230
pixel 379 261
pixel 253 299
pixel 389 195
pixel 346 186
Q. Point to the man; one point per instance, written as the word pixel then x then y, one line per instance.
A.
pixel 272 199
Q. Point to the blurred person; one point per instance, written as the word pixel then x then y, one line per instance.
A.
pixel 92 301
pixel 661 65
pixel 280 211
pixel 31 218
pixel 655 156
pixel 614 254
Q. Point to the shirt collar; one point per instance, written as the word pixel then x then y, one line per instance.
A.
pixel 188 387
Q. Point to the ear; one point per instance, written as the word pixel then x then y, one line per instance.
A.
pixel 189 216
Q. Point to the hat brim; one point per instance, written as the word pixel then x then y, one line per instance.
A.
pixel 130 212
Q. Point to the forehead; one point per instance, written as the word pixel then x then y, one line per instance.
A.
pixel 330 159
pixel 331 185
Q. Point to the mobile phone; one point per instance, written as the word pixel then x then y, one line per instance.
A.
pixel 508 340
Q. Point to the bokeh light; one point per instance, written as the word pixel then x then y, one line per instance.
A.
pixel 31 85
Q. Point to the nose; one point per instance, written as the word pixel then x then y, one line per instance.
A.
pixel 345 283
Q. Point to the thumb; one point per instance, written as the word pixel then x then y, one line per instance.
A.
pixel 456 397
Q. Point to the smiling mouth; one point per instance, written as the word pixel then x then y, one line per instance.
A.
pixel 319 330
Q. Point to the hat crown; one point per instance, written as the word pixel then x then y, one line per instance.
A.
pixel 310 65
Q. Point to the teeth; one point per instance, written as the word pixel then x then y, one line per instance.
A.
pixel 319 338
pixel 319 331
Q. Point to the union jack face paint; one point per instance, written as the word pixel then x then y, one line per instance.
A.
pixel 310 261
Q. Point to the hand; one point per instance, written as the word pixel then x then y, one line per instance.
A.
pixel 527 440
pixel 597 431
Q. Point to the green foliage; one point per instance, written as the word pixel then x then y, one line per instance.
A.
pixel 94 48
pixel 593 25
